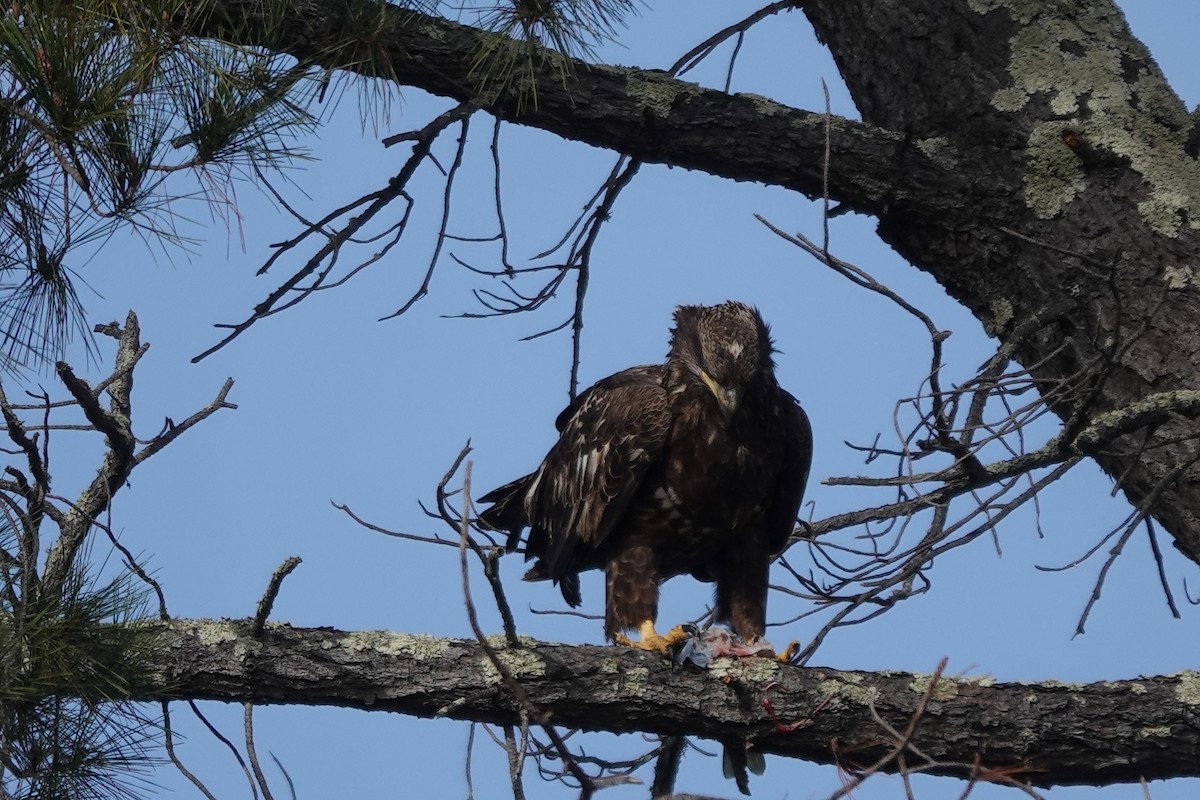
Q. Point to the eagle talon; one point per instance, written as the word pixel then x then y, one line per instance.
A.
pixel 789 652
pixel 649 639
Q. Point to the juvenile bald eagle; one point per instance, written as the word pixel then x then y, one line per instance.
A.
pixel 694 466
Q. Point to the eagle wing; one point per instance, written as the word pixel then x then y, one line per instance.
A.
pixel 610 437
pixel 793 473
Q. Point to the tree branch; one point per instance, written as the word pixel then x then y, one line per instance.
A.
pixel 1139 728
pixel 646 114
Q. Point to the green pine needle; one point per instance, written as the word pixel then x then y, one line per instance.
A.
pixel 69 659
pixel 534 32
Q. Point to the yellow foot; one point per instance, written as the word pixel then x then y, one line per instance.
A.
pixel 788 652
pixel 648 638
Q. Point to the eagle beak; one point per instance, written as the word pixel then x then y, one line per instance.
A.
pixel 727 399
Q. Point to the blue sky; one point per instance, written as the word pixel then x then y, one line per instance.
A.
pixel 335 406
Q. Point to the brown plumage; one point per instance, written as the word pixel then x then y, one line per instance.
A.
pixel 694 466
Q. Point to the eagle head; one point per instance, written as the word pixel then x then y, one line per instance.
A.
pixel 725 347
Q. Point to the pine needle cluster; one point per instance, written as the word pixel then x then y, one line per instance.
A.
pixel 535 33
pixel 69 660
pixel 101 102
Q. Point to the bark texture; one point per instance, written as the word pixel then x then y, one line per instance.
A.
pixel 1030 156
pixel 1145 728
pixel 1082 209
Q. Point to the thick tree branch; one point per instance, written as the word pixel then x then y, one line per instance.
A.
pixel 646 114
pixel 1144 728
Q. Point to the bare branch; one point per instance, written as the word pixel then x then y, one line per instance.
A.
pixel 251 751
pixel 172 431
pixel 325 257
pixel 268 599
pixel 169 745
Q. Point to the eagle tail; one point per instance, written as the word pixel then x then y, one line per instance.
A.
pixel 568 584
pixel 738 760
pixel 508 510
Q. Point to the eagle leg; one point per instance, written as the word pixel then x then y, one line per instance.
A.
pixel 649 639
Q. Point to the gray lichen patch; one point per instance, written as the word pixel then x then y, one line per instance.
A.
pixel 633 681
pixel 418 646
pixel 499 641
pixel 520 663
pixel 657 91
pixel 765 106
pixel 1188 688
pixel 1053 175
pixel 1179 277
pixel 847 685
pixel 1043 62
pixel 1021 11
pixel 939 150
pixel 946 688
pixel 985 681
pixel 1155 732
pixel 750 670
pixel 216 632
pixel 226 633
pixel 1000 317
pixel 1051 683
pixel 1081 60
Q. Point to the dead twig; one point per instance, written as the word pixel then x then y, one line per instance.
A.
pixel 268 599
